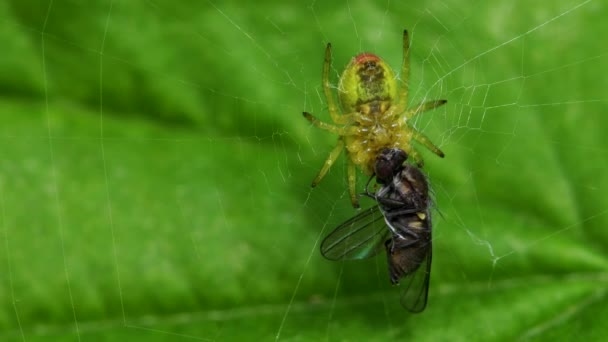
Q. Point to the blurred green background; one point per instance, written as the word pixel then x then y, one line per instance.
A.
pixel 155 170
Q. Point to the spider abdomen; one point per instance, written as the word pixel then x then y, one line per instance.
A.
pixel 367 80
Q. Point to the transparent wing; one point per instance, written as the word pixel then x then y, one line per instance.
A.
pixel 416 292
pixel 360 237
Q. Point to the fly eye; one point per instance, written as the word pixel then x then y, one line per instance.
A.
pixel 384 171
pixel 388 164
pixel 400 156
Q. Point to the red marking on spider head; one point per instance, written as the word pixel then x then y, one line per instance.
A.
pixel 366 57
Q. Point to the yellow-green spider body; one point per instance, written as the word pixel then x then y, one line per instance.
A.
pixel 375 114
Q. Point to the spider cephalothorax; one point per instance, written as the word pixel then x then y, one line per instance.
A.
pixel 375 114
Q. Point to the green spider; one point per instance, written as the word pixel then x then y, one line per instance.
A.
pixel 375 114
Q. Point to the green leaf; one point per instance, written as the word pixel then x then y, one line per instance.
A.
pixel 156 168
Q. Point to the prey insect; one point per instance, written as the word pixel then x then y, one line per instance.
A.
pixel 375 114
pixel 400 224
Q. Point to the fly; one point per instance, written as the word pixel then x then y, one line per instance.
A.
pixel 403 206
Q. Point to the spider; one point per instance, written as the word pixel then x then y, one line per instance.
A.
pixel 375 114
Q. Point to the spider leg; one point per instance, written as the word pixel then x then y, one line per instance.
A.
pixel 331 103
pixel 333 155
pixel 329 127
pixel 352 183
pixel 405 72
pixel 367 193
pixel 421 138
pixel 416 156
pixel 423 107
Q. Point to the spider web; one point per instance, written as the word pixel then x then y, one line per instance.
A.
pixel 153 229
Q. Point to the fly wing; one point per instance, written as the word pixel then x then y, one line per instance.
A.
pixel 416 292
pixel 360 237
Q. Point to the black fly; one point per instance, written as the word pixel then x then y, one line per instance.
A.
pixel 403 207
